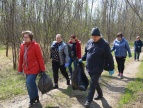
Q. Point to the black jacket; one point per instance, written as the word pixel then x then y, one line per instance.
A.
pixel 138 45
pixel 96 54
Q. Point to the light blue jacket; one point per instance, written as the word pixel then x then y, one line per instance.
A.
pixel 121 48
pixel 63 53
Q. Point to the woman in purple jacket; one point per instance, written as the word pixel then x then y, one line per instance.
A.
pixel 121 47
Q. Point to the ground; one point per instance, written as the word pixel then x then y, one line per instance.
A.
pixel 65 97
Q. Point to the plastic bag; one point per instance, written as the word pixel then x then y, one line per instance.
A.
pixel 45 83
pixel 79 78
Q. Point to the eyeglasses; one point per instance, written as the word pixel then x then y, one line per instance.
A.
pixel 25 37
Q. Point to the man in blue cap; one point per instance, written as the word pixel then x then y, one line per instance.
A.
pixel 97 51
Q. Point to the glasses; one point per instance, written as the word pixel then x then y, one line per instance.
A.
pixel 25 37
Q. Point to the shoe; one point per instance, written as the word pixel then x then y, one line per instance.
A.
pixel 68 82
pixel 37 99
pixel 98 97
pixel 87 104
pixel 121 76
pixel 31 103
pixel 56 87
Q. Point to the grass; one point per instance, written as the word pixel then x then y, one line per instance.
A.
pixel 11 83
pixel 133 90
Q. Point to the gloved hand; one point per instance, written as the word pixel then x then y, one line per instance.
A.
pixel 130 55
pixel 66 64
pixel 80 60
pixel 41 73
pixel 21 73
pixel 111 72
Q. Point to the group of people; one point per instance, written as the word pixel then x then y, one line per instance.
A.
pixel 97 54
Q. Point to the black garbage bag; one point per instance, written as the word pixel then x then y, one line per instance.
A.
pixel 79 79
pixel 45 83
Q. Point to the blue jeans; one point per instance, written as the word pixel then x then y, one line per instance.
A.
pixel 70 65
pixel 31 86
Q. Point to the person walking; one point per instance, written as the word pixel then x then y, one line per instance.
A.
pixel 60 59
pixel 31 63
pixel 97 50
pixel 137 48
pixel 120 48
pixel 75 51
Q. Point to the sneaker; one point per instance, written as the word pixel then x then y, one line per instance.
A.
pixel 98 97
pixel 36 99
pixel 87 104
pixel 56 87
pixel 121 76
pixel 31 103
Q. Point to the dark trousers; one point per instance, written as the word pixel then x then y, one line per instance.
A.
pixel 121 63
pixel 94 85
pixel 31 86
pixel 56 66
pixel 137 55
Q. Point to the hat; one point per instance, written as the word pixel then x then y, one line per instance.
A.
pixel 95 32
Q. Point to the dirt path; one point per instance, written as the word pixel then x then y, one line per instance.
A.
pixel 112 90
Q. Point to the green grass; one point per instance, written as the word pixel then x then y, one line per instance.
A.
pixel 131 44
pixel 11 83
pixel 133 89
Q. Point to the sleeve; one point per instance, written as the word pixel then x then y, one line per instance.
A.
pixel 51 48
pixel 135 43
pixel 113 47
pixel 85 54
pixel 40 58
pixel 66 53
pixel 79 51
pixel 141 43
pixel 128 49
pixel 20 60
pixel 109 57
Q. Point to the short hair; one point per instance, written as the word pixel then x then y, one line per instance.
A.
pixel 119 34
pixel 29 33
pixel 138 37
pixel 73 36
pixel 59 35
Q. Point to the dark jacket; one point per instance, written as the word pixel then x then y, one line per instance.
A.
pixel 78 48
pixel 138 45
pixel 95 55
